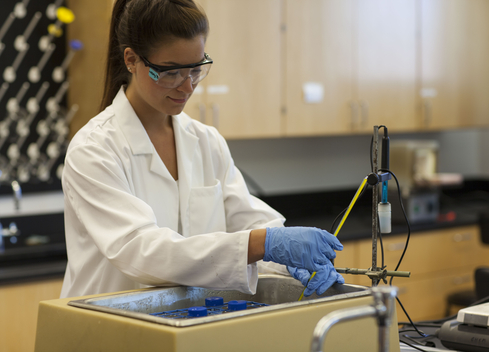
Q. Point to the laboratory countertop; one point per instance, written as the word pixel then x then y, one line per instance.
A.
pixel 459 206
pixel 462 204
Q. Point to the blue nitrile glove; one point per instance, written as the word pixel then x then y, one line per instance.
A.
pixel 300 247
pixel 323 279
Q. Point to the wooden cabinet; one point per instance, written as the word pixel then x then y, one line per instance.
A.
pixel 441 262
pixel 19 307
pixel 454 51
pixel 241 96
pixel 386 64
pixel 320 67
pixel 319 53
pixel 361 55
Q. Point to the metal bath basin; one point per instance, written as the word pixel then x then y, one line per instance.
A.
pixel 278 292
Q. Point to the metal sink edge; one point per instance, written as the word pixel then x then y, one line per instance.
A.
pixel 138 304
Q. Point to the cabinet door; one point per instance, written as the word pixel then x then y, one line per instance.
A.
pixel 386 64
pixel 243 87
pixel 476 79
pixel 19 305
pixel 319 54
pixel 442 51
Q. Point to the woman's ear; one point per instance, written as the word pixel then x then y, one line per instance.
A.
pixel 130 59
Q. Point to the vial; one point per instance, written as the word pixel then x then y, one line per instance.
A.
pixel 214 301
pixel 195 312
pixel 237 305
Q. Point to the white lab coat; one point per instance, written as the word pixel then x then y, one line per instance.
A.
pixel 129 224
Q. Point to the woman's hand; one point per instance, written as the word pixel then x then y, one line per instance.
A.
pixel 300 247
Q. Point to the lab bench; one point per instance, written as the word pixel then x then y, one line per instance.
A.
pixel 442 256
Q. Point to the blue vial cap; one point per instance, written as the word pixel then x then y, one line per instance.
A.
pixel 197 312
pixel 214 301
pixel 237 305
pixel 76 44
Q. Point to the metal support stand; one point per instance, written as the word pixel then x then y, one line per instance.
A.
pixel 375 205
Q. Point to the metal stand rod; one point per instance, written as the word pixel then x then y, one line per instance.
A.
pixel 375 201
pixel 355 271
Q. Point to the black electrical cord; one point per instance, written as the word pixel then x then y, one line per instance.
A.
pixel 405 217
pixel 413 346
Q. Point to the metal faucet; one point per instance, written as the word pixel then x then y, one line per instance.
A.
pixel 17 191
pixel 382 309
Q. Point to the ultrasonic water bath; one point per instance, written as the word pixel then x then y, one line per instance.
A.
pixel 123 321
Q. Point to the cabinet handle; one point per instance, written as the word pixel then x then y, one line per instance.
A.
pixel 202 112
pixel 461 237
pixel 427 112
pixel 354 114
pixel 396 247
pixel 215 115
pixel 364 113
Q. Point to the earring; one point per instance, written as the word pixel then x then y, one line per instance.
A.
pixel 129 69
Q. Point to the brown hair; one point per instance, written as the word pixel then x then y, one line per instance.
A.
pixel 142 25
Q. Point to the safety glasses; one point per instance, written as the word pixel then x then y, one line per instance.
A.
pixel 174 76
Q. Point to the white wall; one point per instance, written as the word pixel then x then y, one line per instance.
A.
pixel 292 165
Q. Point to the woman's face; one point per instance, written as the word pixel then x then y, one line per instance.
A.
pixel 144 94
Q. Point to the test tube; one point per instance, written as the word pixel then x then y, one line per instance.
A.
pixel 13 103
pixel 34 74
pixel 65 16
pixel 45 127
pixel 33 109
pixel 52 105
pixel 20 9
pixel 61 125
pixel 59 171
pixel 51 9
pixel 19 12
pixel 33 152
pixel 13 109
pixel 59 71
pixel 3 90
pixel 33 102
pixel 21 40
pixel 5 174
pixel 13 153
pixel 5 27
pixel 24 172
pixel 10 72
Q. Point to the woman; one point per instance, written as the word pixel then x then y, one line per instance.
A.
pixel 152 197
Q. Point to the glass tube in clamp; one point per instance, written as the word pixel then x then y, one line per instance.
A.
pixel 59 71
pixel 10 72
pixel 21 40
pixel 34 74
pixel 51 9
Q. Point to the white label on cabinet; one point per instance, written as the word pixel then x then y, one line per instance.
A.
pixel 198 90
pixel 313 92
pixel 428 92
pixel 218 89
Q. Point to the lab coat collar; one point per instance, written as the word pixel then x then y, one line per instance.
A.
pixel 131 126
pixel 185 140
pixel 138 138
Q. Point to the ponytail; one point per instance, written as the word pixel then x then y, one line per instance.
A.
pixel 142 25
pixel 115 72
